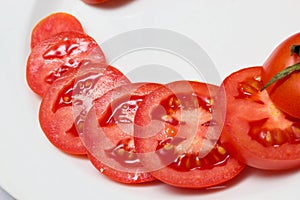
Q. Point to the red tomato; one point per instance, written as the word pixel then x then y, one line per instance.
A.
pixel 53 24
pixel 258 133
pixel 63 108
pixel 177 139
pixel 94 1
pixel 108 133
pixel 285 93
pixel 53 57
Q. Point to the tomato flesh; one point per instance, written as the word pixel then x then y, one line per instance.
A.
pixel 108 133
pixel 172 138
pixel 53 57
pixel 257 132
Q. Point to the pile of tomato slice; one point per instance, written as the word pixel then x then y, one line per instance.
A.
pixel 185 133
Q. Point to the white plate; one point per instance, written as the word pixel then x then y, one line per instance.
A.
pixel 234 34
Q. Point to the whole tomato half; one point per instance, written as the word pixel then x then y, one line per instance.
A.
pixel 283 67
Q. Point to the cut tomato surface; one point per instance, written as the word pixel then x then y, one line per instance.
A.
pixel 108 133
pixel 257 132
pixel 64 106
pixel 52 24
pixel 177 139
pixel 53 57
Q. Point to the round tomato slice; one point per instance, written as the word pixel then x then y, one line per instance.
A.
pixel 285 93
pixel 63 108
pixel 52 24
pixel 257 132
pixel 177 139
pixel 108 133
pixel 53 57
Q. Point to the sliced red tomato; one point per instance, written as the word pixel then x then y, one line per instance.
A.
pixel 176 137
pixel 257 132
pixel 52 24
pixel 64 106
pixel 53 57
pixel 108 133
pixel 285 93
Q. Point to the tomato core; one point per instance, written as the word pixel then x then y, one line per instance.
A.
pixel 180 101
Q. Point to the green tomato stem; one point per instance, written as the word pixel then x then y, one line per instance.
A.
pixel 282 74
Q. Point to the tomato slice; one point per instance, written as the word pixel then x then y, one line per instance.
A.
pixel 63 108
pixel 176 137
pixel 53 57
pixel 108 133
pixel 52 24
pixel 257 132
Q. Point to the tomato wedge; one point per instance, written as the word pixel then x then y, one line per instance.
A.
pixel 63 108
pixel 108 133
pixel 257 132
pixel 176 137
pixel 52 58
pixel 52 24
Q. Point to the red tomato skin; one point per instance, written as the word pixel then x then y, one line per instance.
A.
pixel 236 138
pixel 94 1
pixel 93 134
pixel 207 178
pixel 284 93
pixel 39 67
pixel 193 179
pixel 119 176
pixel 53 24
pixel 55 122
